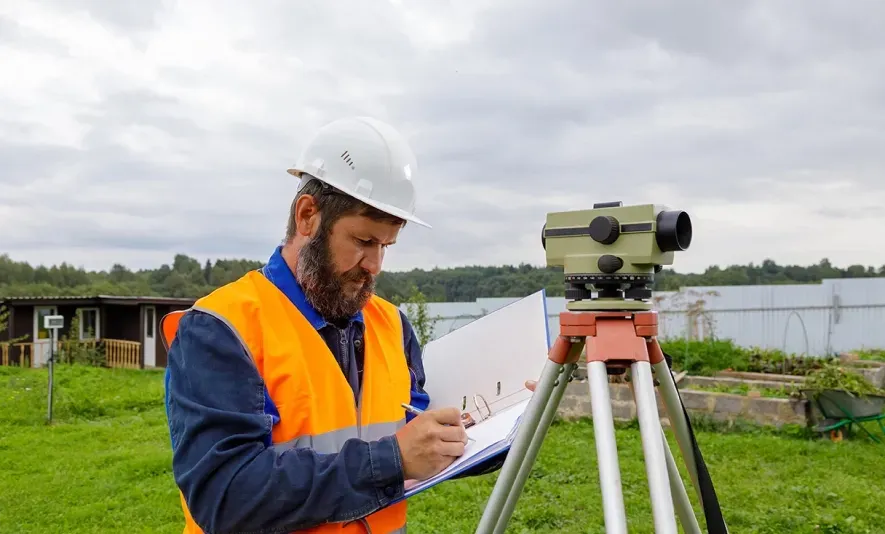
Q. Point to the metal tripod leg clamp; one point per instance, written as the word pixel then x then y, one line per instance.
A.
pixel 614 340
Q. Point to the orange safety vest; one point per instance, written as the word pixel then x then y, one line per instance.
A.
pixel 305 382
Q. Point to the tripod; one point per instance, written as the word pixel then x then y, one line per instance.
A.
pixel 615 341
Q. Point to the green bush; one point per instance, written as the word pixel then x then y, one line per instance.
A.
pixel 706 357
pixel 833 376
pixel 709 356
pixel 775 361
pixel 871 354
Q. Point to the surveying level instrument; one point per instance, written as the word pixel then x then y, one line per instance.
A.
pixel 610 255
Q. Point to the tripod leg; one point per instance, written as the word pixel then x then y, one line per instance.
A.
pixel 676 416
pixel 680 498
pixel 529 425
pixel 684 511
pixel 606 449
pixel 534 447
pixel 655 460
pixel 694 462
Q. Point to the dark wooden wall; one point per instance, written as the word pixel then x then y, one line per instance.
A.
pixel 121 322
pixel 22 322
pixel 124 322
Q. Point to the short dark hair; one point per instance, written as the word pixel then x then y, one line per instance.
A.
pixel 334 204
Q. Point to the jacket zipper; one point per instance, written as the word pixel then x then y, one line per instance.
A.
pixel 357 400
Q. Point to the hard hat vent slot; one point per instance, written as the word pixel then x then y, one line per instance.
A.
pixel 364 187
pixel 347 159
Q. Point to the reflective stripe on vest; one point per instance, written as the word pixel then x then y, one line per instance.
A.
pixel 333 441
pixel 304 380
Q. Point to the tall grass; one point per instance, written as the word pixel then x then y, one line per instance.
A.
pixel 80 393
pixel 104 465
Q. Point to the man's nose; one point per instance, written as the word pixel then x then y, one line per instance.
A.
pixel 372 260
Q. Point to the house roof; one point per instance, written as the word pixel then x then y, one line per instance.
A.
pixel 124 300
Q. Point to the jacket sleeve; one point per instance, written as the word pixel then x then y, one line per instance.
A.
pixel 420 398
pixel 231 476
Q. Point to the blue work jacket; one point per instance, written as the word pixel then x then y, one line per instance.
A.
pixel 220 418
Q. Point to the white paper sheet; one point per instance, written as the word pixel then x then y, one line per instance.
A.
pixel 481 368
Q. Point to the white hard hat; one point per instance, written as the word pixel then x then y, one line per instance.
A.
pixel 366 159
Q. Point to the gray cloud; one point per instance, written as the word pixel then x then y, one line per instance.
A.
pixel 137 132
pixel 14 34
pixel 124 17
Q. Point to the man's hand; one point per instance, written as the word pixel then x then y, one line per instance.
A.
pixel 530 385
pixel 431 442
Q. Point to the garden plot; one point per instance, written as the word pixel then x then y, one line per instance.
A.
pixel 724 383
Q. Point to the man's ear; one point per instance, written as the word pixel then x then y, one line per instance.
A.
pixel 307 215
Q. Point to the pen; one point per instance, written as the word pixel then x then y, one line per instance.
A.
pixel 411 409
pixel 418 411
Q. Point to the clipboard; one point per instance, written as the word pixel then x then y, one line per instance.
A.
pixel 481 368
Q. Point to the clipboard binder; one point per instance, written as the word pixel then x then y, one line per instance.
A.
pixel 481 368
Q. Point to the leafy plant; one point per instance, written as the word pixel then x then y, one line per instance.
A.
pixel 776 361
pixel 706 357
pixel 419 314
pixel 4 325
pixel 6 346
pixel 710 356
pixel 877 355
pixel 832 376
pixel 74 351
pixel 701 323
pixel 4 318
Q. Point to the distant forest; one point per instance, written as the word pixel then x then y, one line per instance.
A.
pixel 187 277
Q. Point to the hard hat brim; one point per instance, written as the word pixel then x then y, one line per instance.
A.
pixel 386 208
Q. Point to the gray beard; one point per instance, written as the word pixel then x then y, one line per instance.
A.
pixel 324 288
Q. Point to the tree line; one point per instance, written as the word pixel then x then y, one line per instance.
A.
pixel 188 277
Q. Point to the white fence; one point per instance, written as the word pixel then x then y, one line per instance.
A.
pixel 834 316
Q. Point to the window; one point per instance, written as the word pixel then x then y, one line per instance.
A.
pixel 88 323
pixel 149 322
pixel 39 315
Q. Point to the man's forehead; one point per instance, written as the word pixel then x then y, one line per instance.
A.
pixel 366 227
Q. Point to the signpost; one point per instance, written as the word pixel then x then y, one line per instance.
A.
pixel 52 323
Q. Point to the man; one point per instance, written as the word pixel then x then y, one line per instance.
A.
pixel 284 389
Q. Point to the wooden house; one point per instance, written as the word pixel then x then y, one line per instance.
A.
pixel 122 329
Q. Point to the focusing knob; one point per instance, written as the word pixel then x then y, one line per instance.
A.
pixel 609 264
pixel 605 229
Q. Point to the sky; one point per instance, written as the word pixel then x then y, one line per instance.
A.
pixel 132 131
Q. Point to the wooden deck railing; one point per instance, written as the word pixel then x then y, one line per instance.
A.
pixel 20 354
pixel 119 353
pixel 109 352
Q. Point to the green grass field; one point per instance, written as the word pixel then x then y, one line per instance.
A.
pixel 104 466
